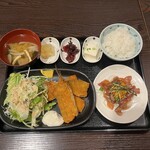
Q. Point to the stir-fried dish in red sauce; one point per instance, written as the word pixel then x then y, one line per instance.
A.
pixel 119 91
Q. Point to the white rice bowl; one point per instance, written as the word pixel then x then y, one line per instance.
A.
pixel 120 42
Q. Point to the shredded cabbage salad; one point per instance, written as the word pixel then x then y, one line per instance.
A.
pixel 26 99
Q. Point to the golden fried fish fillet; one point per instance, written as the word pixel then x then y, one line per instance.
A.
pixel 72 77
pixel 79 87
pixel 66 101
pixel 51 88
pixel 80 103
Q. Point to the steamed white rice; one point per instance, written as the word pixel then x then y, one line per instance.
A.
pixel 119 43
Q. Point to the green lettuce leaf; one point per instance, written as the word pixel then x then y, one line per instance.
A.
pixel 13 80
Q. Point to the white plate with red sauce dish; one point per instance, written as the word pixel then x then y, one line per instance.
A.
pixel 70 50
pixel 137 104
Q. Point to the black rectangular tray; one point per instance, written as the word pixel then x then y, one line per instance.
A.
pixel 96 122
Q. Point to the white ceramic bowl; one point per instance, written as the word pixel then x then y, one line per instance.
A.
pixel 55 43
pixel 133 32
pixel 63 54
pixel 91 43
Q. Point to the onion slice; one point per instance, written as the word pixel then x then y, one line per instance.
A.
pixel 28 55
pixel 18 57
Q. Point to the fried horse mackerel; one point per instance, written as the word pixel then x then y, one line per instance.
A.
pixel 66 100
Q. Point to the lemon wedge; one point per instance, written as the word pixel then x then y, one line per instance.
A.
pixel 47 73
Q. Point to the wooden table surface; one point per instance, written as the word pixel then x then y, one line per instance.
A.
pixel 79 18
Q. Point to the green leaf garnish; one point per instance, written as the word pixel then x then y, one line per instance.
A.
pixel 49 106
pixel 101 89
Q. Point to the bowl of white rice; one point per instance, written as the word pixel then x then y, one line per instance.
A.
pixel 120 42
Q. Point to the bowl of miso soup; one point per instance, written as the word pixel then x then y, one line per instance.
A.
pixel 19 47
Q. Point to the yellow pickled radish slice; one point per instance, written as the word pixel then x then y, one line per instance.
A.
pixel 47 73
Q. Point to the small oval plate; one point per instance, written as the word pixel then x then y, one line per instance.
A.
pixel 63 54
pixel 53 41
pixel 90 43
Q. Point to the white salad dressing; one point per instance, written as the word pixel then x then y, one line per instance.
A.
pixel 52 118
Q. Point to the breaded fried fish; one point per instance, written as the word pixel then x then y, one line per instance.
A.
pixel 72 77
pixel 51 88
pixel 80 103
pixel 66 101
pixel 79 87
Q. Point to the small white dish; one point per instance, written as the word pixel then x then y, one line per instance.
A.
pixel 55 43
pixel 91 51
pixel 139 102
pixel 63 55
